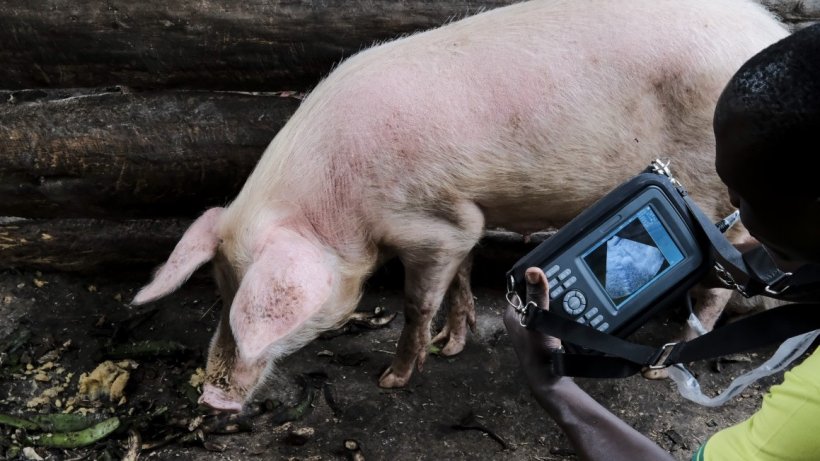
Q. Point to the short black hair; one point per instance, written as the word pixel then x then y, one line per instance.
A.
pixel 767 121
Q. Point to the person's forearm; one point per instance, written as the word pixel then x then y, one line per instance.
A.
pixel 595 433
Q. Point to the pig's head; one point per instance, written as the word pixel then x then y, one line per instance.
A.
pixel 279 289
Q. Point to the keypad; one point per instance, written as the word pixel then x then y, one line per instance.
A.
pixel 574 302
pixel 569 282
pixel 596 320
pixel 564 274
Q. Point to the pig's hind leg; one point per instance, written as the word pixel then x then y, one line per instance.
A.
pixel 432 250
pixel 461 311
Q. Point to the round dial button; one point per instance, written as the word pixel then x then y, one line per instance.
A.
pixel 574 302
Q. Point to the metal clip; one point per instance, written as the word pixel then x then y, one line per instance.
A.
pixel 661 168
pixel 729 281
pixel 515 301
pixel 772 290
pixel 662 356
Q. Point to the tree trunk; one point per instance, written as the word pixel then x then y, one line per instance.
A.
pixel 261 45
pixel 114 154
pixel 138 245
pixel 88 245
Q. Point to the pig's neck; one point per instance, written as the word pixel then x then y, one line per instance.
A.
pixel 303 185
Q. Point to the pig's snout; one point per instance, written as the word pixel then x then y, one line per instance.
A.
pixel 218 399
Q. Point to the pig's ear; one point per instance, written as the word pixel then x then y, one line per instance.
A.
pixel 284 287
pixel 196 247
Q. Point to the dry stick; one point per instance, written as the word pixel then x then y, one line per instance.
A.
pixel 469 423
pixel 331 401
pixel 134 445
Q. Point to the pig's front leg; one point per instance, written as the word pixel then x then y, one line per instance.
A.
pixel 425 286
pixel 462 311
pixel 431 250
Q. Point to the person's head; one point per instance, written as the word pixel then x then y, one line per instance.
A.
pixel 767 130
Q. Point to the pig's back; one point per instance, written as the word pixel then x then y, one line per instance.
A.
pixel 546 102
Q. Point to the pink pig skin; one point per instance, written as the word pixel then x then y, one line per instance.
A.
pixel 518 117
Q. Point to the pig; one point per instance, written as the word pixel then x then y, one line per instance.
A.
pixel 518 117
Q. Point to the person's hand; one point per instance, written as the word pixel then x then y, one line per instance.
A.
pixel 533 348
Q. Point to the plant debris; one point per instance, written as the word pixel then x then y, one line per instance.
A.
pixel 75 439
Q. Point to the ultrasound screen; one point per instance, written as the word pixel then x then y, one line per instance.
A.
pixel 636 254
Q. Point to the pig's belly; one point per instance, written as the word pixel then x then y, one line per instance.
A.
pixel 529 215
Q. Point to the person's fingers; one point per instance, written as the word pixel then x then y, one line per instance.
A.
pixel 537 287
pixel 538 291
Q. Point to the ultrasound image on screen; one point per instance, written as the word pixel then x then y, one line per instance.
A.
pixel 637 253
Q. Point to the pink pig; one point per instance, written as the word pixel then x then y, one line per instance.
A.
pixel 518 117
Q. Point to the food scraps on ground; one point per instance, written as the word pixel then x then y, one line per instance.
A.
pixel 108 380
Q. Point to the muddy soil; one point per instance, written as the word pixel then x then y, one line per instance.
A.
pixel 471 406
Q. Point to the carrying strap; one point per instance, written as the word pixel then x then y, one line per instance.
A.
pixel 625 358
pixel 754 273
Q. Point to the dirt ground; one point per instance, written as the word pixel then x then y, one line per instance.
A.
pixel 471 406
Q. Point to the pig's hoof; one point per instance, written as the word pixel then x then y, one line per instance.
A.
pixel 656 374
pixel 455 341
pixel 453 347
pixel 218 399
pixel 391 380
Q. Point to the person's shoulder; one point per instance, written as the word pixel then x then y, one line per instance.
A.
pixel 813 360
pixel 808 371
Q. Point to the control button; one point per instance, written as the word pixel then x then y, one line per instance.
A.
pixel 564 274
pixel 603 327
pixel 552 284
pixel 574 302
pixel 570 281
pixel 552 271
pixel 556 292
pixel 581 320
pixel 580 296
pixel 596 320
pixel 590 313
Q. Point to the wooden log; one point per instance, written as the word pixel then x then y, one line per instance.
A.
pixel 88 245
pixel 795 13
pixel 136 246
pixel 227 44
pixel 111 153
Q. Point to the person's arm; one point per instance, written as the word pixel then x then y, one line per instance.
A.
pixel 595 433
